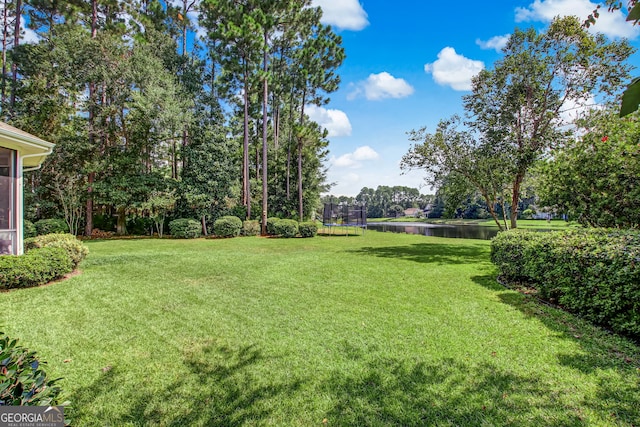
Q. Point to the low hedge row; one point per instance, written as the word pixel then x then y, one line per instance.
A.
pixel 227 226
pixel 594 273
pixel 46 258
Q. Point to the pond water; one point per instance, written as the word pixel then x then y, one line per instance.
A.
pixel 436 230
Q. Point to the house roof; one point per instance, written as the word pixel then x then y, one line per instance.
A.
pixel 33 150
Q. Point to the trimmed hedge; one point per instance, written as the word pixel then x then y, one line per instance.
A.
pixel 36 267
pixel 308 229
pixel 28 229
pixel 271 225
pixel 52 225
pixel 76 250
pixel 227 226
pixel 594 273
pixel 286 228
pixel 184 228
pixel 23 382
pixel 251 227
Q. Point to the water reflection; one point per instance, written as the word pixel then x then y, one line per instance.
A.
pixel 437 230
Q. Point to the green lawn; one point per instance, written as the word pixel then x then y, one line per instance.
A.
pixel 374 330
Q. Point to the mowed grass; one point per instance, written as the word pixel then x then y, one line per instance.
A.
pixel 375 330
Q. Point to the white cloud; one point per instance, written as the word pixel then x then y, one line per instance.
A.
pixel 354 160
pixel 451 69
pixel 335 122
pixel 381 86
pixel 612 24
pixel 29 36
pixel 574 109
pixel 343 14
pixel 497 42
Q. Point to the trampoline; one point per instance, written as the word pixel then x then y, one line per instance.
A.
pixel 341 217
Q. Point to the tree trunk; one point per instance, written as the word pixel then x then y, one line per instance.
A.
pixel 88 228
pixel 5 40
pixel 121 225
pixel 265 96
pixel 246 191
pixel 492 211
pixel 204 225
pixel 14 67
pixel 515 198
pixel 300 206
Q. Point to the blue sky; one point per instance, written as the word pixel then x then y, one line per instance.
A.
pixel 408 65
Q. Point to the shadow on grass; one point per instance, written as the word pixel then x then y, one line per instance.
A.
pixel 600 351
pixel 431 253
pixel 219 388
pixel 392 392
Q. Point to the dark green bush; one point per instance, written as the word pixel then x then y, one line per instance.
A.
pixel 28 229
pixel 227 226
pixel 250 228
pixel 286 228
pixel 594 273
pixel 23 382
pixel 184 228
pixel 76 250
pixel 308 229
pixel 36 267
pixel 271 225
pixel 53 225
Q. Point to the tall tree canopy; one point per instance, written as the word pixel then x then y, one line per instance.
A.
pixel 141 114
pixel 519 109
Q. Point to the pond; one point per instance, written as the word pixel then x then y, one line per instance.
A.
pixel 437 230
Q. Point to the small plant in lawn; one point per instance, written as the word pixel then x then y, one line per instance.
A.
pixel 227 226
pixel 184 228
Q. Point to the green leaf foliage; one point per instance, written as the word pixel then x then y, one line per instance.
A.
pixel 37 267
pixel 227 226
pixel 76 250
pixel 593 272
pixel 308 229
pixel 630 98
pixel 53 225
pixel 184 228
pixel 23 381
pixel 250 227
pixel 286 228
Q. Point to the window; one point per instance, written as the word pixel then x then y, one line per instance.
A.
pixel 8 221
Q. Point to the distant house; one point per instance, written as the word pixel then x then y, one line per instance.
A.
pixel 19 152
pixel 412 212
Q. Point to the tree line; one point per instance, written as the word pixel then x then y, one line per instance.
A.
pixel 154 112
pixel 529 117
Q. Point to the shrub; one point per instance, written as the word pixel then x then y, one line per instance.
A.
pixel 37 267
pixel 308 229
pixel 23 382
pixel 286 228
pixel 250 228
pixel 184 228
pixel 28 229
pixel 76 250
pixel 53 225
pixel 227 226
pixel 271 225
pixel 594 273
